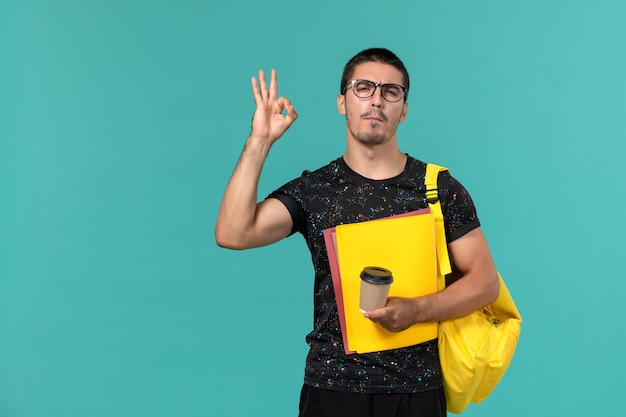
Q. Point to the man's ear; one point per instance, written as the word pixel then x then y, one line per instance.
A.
pixel 341 104
pixel 405 108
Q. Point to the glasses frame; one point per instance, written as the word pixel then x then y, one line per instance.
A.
pixel 351 83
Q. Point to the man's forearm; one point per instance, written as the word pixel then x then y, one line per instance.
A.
pixel 466 295
pixel 238 207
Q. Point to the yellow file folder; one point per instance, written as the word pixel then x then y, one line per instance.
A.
pixel 406 246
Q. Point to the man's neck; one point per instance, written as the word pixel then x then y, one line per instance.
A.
pixel 376 162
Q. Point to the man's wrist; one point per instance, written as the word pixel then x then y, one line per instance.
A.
pixel 421 308
pixel 256 145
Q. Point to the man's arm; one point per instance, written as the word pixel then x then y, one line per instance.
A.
pixel 242 222
pixel 477 286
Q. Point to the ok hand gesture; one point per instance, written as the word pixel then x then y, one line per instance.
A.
pixel 268 122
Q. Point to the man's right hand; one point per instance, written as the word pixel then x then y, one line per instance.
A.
pixel 268 122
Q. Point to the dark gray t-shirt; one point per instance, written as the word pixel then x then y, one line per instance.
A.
pixel 334 195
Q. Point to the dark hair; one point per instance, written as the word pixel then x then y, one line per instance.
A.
pixel 382 55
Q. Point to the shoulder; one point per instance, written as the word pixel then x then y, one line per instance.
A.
pixel 415 166
pixel 459 211
pixel 300 189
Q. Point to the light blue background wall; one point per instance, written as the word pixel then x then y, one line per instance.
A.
pixel 120 122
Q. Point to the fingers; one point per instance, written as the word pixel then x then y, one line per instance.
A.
pixel 263 84
pixel 377 315
pixel 273 85
pixel 260 90
pixel 395 316
pixel 285 104
pixel 255 90
pixel 386 318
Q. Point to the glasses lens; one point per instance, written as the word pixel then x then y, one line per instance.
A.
pixel 392 92
pixel 363 88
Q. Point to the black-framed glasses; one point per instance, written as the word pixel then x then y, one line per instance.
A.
pixel 366 89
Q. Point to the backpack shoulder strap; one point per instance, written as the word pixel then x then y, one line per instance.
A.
pixel 432 196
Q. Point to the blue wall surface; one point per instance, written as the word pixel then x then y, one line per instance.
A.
pixel 121 122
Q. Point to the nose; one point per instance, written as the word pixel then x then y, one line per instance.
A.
pixel 377 99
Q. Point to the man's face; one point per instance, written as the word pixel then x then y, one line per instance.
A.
pixel 374 120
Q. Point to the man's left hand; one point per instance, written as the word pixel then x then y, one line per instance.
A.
pixel 399 314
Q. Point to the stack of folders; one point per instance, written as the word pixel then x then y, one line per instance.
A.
pixel 405 245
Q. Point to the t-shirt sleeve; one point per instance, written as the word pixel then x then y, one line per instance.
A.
pixel 291 196
pixel 458 209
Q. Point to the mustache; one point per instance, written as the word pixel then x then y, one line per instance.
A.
pixel 375 113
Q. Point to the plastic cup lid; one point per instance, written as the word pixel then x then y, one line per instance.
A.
pixel 376 275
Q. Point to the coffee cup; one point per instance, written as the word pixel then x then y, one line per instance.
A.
pixel 375 283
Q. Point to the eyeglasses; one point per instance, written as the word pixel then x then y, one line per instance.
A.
pixel 366 89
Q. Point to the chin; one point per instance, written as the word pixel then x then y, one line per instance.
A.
pixel 371 140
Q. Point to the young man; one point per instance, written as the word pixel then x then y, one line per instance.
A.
pixel 373 179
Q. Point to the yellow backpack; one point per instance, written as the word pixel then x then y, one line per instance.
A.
pixel 475 350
